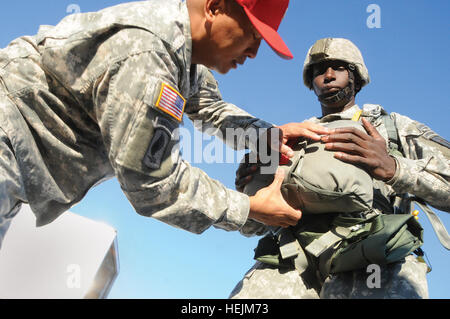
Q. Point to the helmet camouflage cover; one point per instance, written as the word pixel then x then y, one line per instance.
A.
pixel 330 49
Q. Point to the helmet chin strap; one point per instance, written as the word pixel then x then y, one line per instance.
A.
pixel 342 95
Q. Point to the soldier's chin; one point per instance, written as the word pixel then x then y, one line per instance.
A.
pixel 223 68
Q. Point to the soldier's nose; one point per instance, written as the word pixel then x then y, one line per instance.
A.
pixel 252 51
pixel 329 75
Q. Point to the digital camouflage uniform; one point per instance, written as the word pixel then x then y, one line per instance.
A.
pixel 78 107
pixel 423 170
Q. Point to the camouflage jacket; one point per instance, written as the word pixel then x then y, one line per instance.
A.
pixel 79 105
pixel 423 170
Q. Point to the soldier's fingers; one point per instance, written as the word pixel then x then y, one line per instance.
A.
pixel 241 182
pixel 294 217
pixel 317 128
pixel 278 180
pixel 275 138
pixel 349 148
pixel 249 169
pixel 240 174
pixel 283 224
pixel 246 169
pixel 241 168
pixel 278 223
pixel 249 159
pixel 312 135
pixel 305 129
pixel 347 131
pixel 371 129
pixel 286 151
pixel 347 137
pixel 352 159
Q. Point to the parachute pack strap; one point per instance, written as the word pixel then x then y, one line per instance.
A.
pixel 301 262
pixel 437 224
pixel 393 137
pixel 328 240
pixel 290 247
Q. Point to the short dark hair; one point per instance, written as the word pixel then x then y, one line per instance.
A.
pixel 232 5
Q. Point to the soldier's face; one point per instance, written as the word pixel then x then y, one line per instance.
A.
pixel 233 39
pixel 329 77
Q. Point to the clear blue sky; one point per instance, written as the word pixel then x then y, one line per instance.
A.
pixel 408 61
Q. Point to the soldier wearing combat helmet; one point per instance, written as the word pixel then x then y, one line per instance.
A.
pixel 337 50
pixel 406 160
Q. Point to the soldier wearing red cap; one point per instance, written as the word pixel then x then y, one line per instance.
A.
pixel 101 94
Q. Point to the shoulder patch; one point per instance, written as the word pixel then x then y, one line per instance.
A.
pixel 432 136
pixel 171 102
pixel 440 140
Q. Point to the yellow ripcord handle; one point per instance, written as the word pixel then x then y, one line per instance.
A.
pixel 357 116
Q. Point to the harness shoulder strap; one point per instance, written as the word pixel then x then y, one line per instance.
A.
pixel 393 138
pixel 436 223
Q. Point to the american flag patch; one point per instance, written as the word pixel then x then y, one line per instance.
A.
pixel 171 102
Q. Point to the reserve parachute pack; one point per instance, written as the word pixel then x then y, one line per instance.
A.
pixel 315 182
pixel 337 243
pixel 339 230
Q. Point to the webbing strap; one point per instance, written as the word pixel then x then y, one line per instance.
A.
pixel 393 139
pixel 290 247
pixel 328 240
pixel 437 225
pixel 301 262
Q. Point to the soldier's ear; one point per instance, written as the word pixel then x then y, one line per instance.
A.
pixel 358 85
pixel 213 8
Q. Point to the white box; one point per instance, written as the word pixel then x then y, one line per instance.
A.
pixel 72 258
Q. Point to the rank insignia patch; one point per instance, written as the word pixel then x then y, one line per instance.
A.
pixel 171 102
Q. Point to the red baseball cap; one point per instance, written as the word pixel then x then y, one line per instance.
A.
pixel 266 16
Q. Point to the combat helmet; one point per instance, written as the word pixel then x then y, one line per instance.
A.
pixel 330 49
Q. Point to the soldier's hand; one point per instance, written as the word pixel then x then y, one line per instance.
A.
pixel 245 172
pixel 368 151
pixel 278 136
pixel 295 130
pixel 269 207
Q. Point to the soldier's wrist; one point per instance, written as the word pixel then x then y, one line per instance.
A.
pixel 391 178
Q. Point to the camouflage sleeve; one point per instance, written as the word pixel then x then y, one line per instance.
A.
pixel 425 169
pixel 143 150
pixel 210 114
pixel 254 228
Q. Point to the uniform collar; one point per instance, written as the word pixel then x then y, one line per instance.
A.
pixel 186 21
pixel 345 115
pixel 191 70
